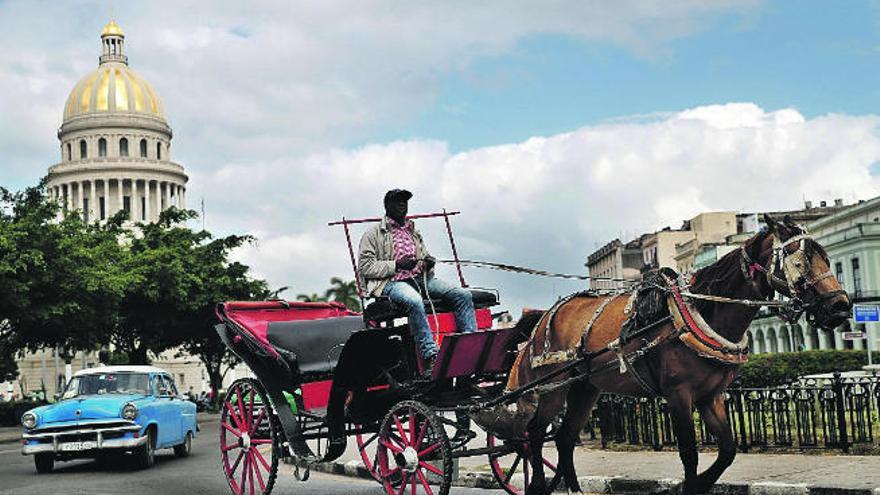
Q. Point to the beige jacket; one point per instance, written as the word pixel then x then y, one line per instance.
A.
pixel 376 256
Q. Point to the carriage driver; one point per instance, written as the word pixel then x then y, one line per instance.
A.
pixel 393 262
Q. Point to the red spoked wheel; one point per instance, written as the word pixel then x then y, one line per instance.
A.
pixel 413 455
pixel 247 431
pixel 367 443
pixel 512 469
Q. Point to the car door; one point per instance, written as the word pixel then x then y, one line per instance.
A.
pixel 171 412
pixel 181 408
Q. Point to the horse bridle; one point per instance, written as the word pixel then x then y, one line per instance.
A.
pixel 795 267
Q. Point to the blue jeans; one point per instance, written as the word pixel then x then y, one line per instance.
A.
pixel 403 294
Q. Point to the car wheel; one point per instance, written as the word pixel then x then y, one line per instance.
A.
pixel 185 448
pixel 145 456
pixel 44 462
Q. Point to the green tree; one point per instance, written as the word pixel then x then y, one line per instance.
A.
pixel 61 280
pixel 181 276
pixel 344 292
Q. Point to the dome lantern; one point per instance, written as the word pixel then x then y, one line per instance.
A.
pixel 113 41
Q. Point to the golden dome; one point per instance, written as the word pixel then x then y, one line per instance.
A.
pixel 112 88
pixel 112 29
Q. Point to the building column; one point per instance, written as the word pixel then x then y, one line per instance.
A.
pixel 182 197
pixel 135 202
pixel 118 195
pixel 838 340
pixel 147 209
pixel 68 200
pixel 166 196
pixel 94 211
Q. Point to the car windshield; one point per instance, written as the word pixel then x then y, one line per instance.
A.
pixel 108 383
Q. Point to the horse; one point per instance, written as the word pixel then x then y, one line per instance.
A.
pixel 688 357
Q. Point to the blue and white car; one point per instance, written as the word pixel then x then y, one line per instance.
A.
pixel 111 410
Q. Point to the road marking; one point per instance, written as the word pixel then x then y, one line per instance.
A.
pixel 17 451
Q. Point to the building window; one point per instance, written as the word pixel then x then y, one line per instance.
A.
pixel 123 147
pixel 102 147
pixel 857 277
pixel 69 153
pixel 83 154
pixel 143 148
pixel 101 205
pixel 838 271
pixel 126 205
pixel 158 151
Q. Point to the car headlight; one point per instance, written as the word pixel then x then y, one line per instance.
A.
pixel 29 420
pixel 129 411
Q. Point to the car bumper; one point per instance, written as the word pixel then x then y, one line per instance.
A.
pixel 50 442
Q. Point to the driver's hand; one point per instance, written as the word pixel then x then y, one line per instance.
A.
pixel 406 263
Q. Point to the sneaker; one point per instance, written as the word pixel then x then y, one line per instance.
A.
pixel 428 364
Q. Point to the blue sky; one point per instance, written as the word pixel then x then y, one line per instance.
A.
pixel 818 57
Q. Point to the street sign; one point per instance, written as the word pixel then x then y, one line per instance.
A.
pixel 853 335
pixel 866 312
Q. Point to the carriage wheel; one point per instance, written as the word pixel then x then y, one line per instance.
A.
pixel 248 431
pixel 413 451
pixel 512 469
pixel 368 448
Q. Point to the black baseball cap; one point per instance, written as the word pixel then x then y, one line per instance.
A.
pixel 398 194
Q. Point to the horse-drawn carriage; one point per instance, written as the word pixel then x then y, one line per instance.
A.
pixel 325 373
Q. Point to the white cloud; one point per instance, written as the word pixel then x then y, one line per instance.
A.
pixel 247 82
pixel 549 202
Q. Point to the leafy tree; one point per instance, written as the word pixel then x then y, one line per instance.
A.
pixel 344 292
pixel 60 280
pixel 181 275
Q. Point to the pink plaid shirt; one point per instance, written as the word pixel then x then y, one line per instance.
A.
pixel 404 246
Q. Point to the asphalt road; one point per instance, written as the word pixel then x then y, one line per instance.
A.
pixel 198 474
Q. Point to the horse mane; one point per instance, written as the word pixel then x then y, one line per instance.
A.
pixel 718 278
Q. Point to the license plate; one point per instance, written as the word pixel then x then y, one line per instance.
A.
pixel 73 446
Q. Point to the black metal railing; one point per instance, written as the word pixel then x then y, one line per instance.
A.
pixel 830 413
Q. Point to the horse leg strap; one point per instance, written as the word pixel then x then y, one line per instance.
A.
pixel 614 345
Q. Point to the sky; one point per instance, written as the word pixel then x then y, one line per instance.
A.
pixel 554 126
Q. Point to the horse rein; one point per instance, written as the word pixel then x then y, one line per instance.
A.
pixel 794 267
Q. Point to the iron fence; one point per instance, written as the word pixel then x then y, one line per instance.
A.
pixel 829 413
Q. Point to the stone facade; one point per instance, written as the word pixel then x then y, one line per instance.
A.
pixel 116 144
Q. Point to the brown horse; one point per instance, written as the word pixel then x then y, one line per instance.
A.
pixel 689 359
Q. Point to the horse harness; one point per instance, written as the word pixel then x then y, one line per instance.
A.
pixel 687 326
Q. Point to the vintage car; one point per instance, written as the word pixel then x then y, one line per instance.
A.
pixel 108 412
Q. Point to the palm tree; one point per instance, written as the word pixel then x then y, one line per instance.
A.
pixel 344 292
pixel 311 298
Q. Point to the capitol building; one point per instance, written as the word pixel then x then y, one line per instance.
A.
pixel 115 155
pixel 116 143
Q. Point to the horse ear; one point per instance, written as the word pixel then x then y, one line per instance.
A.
pixel 771 223
pixel 788 221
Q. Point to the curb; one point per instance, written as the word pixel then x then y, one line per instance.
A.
pixel 7 440
pixel 609 484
